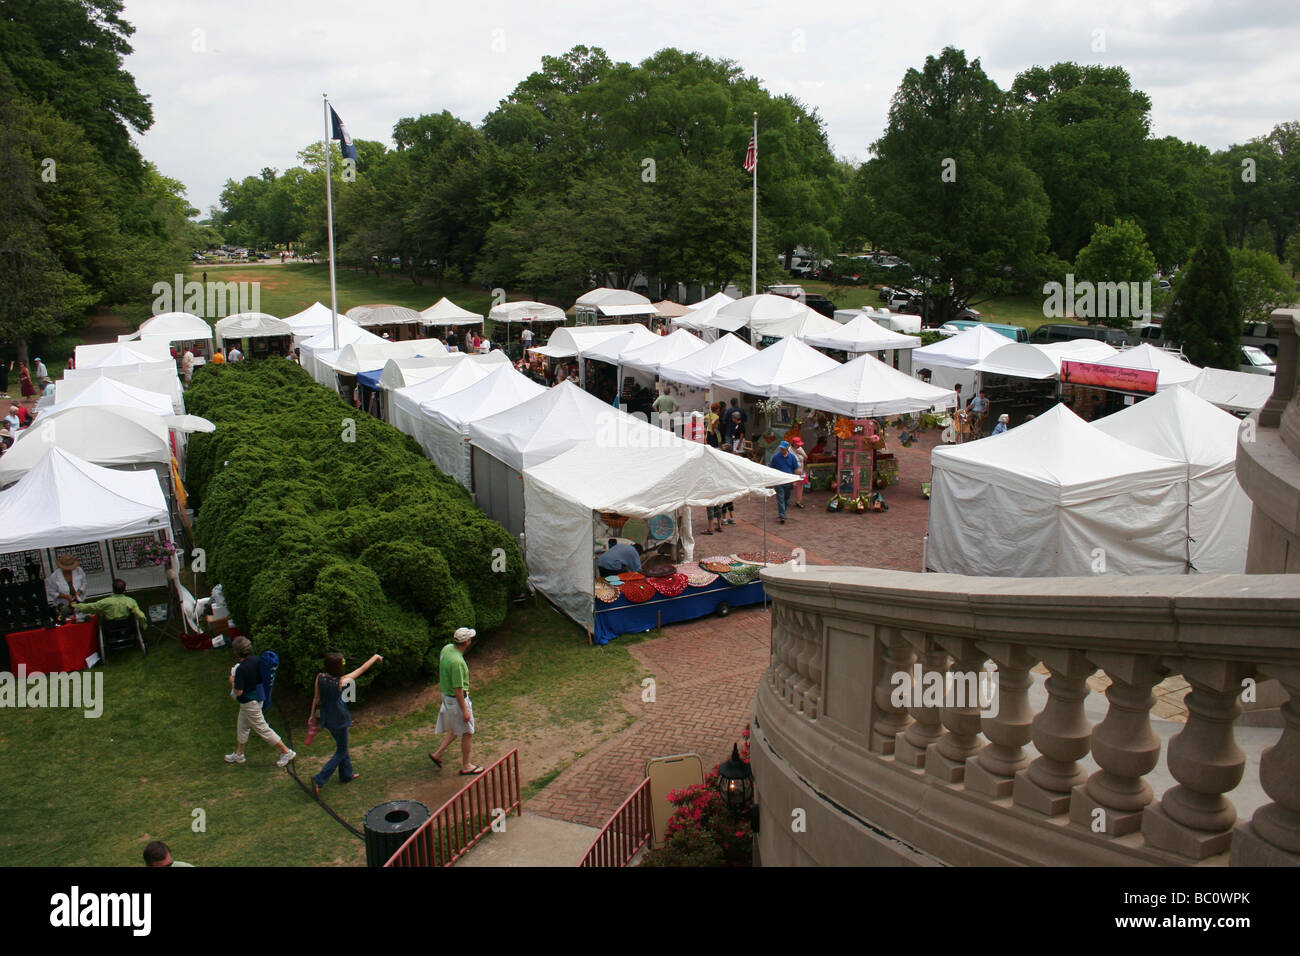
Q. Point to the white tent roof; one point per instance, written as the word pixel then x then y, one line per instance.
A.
pixel 1177 424
pixel 349 332
pixel 501 388
pixel 575 340
pixel 861 334
pixel 701 312
pixel 389 315
pixel 366 356
pixel 109 391
pixel 1171 369
pixel 753 310
pixel 357 312
pixel 663 351
pixel 66 500
pixel 698 369
pixel 526 312
pixel 798 326
pixel 174 327
pixel 540 428
pixel 615 302
pixel 962 350
pixel 109 354
pixel 104 435
pixel 1028 360
pixel 865 388
pixel 250 325
pixel 155 377
pixel 446 312
pixel 401 372
pixel 611 349
pixel 1231 390
pixel 1051 497
pixel 314 316
pixel 789 360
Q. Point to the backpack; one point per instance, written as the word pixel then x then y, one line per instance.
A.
pixel 267 664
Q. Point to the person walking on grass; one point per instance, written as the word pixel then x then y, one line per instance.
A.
pixel 329 696
pixel 244 687
pixel 456 718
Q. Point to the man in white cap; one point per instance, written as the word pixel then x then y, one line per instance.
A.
pixel 456 718
pixel 40 370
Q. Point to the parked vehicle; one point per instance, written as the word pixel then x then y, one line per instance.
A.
pixel 1068 333
pixel 1254 360
pixel 1015 333
pixel 819 303
pixel 1263 336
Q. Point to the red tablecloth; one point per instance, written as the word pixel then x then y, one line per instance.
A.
pixel 54 650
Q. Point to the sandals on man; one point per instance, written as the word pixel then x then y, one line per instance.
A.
pixel 472 771
pixel 436 761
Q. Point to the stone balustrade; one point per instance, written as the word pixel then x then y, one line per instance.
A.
pixel 848 773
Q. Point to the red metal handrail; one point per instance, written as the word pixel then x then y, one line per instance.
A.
pixel 627 831
pixel 463 820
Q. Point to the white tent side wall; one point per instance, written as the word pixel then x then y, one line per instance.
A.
pixel 447 449
pixel 1220 522
pixel 559 550
pixel 498 490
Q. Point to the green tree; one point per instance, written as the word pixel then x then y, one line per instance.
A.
pixel 1117 253
pixel 952 194
pixel 1262 283
pixel 1205 317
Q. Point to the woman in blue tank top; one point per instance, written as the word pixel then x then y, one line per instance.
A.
pixel 334 717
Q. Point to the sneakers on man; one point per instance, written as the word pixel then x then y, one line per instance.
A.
pixel 235 758
pixel 285 758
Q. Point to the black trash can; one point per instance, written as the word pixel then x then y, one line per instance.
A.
pixel 389 825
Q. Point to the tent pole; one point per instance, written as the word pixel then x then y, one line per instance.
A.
pixel 765 547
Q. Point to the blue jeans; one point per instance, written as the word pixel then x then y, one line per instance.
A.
pixel 341 760
pixel 782 499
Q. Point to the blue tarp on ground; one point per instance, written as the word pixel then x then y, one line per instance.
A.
pixel 627 617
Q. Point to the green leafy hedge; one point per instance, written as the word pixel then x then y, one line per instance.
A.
pixel 326 544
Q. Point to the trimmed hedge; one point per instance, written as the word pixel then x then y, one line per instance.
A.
pixel 327 544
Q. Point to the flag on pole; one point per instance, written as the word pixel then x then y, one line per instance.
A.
pixel 751 155
pixel 341 134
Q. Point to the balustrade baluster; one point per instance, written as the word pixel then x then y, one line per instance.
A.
pixel 993 771
pixel 926 727
pixel 1272 837
pixel 1061 733
pixel 946 759
pixel 891 720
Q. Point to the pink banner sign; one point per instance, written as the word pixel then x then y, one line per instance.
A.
pixel 1139 381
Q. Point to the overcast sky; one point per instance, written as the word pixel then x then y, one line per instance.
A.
pixel 236 85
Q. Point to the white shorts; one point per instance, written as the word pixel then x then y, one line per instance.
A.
pixel 450 718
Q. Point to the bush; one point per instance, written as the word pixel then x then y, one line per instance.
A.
pixel 326 544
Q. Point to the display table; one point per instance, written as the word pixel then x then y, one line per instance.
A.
pixel 54 650
pixel 628 617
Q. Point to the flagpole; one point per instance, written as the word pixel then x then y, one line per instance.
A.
pixel 753 250
pixel 329 218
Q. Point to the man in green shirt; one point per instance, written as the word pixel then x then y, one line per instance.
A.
pixel 116 607
pixel 456 718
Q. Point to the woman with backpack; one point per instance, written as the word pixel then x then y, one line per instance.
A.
pixel 328 696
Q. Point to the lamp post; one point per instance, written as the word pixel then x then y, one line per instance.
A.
pixel 736 783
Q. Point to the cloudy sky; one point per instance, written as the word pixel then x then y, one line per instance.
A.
pixel 236 84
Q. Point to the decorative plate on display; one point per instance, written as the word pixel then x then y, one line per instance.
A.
pixel 662 527
pixel 756 557
pixel 718 558
pixel 696 576
pixel 671 586
pixel 717 567
pixel 606 593
pixel 745 574
pixel 631 576
pixel 635 530
pixel 638 591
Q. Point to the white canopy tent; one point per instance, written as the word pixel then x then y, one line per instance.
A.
pixel 1176 424
pixel 789 360
pixel 365 356
pixel 611 304
pixel 574 341
pixel 963 350
pixel 251 325
pixel 536 431
pixel 64 500
pixel 386 315
pixel 669 476
pixel 1028 360
pixel 311 321
pixel 753 311
pixel 320 349
pixel 105 435
pixel 154 377
pixel 865 388
pixel 151 352
pixel 701 312
pixel 862 334
pixel 447 417
pixel 612 349
pixel 665 350
pixel 403 405
pixel 1054 497
pixel 698 368
pixel 171 327
pixel 446 312
pixel 529 312
pixel 401 372
pixel 102 390
pixel 1232 391
pixel 798 326
pixel 1171 369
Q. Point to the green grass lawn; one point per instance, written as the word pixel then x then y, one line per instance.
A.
pixel 1023 310
pixel 93 792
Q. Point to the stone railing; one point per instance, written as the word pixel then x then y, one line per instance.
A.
pixel 847 775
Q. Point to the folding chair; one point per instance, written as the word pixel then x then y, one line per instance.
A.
pixel 119 636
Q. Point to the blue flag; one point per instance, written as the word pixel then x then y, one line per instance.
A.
pixel 341 134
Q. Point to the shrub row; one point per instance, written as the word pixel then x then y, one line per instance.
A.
pixel 330 530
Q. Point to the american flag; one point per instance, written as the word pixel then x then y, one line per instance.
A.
pixel 751 155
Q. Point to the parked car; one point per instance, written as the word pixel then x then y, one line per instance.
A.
pixel 1254 360
pixel 1068 333
pixel 1263 336
pixel 1015 333
pixel 819 303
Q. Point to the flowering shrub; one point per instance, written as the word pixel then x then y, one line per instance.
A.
pixel 702 830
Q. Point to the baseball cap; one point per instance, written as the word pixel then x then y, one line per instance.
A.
pixel 464 634
pixel 783 445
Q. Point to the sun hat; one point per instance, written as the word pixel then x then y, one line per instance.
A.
pixel 797 441
pixel 66 562
pixel 464 634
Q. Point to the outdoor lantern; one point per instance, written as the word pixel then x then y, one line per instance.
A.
pixel 736 783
